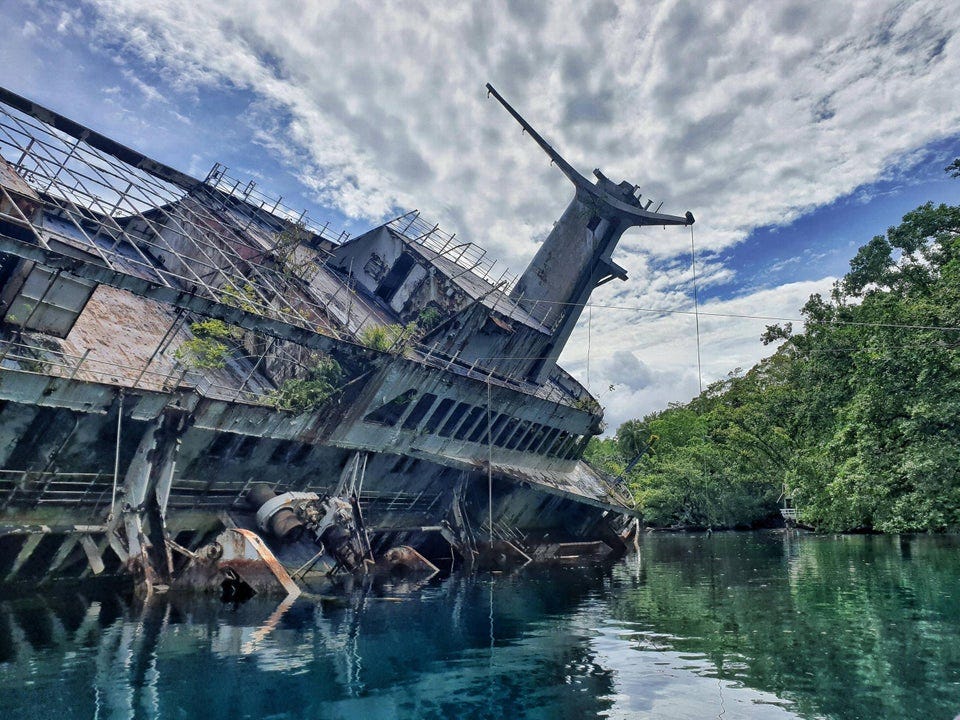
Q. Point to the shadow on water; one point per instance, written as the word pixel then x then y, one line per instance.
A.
pixel 761 625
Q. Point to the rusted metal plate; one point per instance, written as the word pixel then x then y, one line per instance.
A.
pixel 269 559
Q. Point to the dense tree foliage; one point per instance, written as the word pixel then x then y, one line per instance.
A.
pixel 857 417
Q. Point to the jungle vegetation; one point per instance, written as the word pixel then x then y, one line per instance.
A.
pixel 857 417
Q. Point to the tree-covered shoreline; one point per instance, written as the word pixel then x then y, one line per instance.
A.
pixel 856 419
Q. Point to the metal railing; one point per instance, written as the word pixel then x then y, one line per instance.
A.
pixel 250 194
pixel 27 487
pixel 466 255
pixel 39 360
pixel 438 359
pixel 134 222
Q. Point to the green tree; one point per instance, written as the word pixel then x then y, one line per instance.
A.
pixel 858 416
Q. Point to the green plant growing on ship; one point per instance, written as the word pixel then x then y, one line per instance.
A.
pixel 208 348
pixel 310 392
pixel 387 338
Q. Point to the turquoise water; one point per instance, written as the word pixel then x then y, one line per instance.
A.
pixel 761 625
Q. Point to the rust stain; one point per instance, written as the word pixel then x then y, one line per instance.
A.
pixel 270 560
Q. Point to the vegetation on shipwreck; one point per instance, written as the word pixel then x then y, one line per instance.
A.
pixel 302 394
pixel 208 348
pixel 857 417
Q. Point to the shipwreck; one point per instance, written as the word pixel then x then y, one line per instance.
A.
pixel 201 387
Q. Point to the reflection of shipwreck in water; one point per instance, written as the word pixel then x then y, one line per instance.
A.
pixel 197 383
pixel 374 650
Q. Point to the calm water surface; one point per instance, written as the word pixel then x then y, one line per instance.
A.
pixel 763 625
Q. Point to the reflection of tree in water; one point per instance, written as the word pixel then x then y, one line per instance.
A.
pixel 836 624
pixel 366 653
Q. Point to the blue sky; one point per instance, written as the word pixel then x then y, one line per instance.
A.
pixel 822 241
pixel 793 131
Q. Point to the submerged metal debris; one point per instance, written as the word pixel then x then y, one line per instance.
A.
pixel 199 386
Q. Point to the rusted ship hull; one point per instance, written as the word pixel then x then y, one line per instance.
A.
pixel 199 386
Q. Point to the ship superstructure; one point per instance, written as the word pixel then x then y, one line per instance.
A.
pixel 194 377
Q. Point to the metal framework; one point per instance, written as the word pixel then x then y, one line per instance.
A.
pixel 202 238
pixel 216 239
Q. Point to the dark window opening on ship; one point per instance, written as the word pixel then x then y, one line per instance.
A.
pixel 517 436
pixel 419 411
pixel 561 448
pixel 528 438
pixel 245 447
pixel 578 449
pixel 538 439
pixel 394 279
pixel 497 426
pixel 390 412
pixel 594 223
pixel 548 441
pixel 281 451
pixel 443 407
pixel 301 455
pixel 555 448
pixel 403 465
pixel 468 424
pixel 375 267
pixel 566 452
pixel 454 420
pixel 508 429
pixel 479 433
pixel 541 441
pixel 220 445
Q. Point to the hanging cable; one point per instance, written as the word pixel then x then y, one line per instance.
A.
pixel 696 313
pixel 116 456
pixel 589 332
pixel 489 467
pixel 747 316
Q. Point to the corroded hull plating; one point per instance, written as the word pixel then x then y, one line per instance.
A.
pixel 195 380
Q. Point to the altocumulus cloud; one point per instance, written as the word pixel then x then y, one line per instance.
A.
pixel 750 114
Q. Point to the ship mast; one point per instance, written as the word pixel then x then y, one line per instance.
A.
pixel 576 256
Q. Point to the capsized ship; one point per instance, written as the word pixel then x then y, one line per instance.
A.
pixel 199 386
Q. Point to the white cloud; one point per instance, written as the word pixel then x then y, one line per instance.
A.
pixel 67 20
pixel 650 358
pixel 749 114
